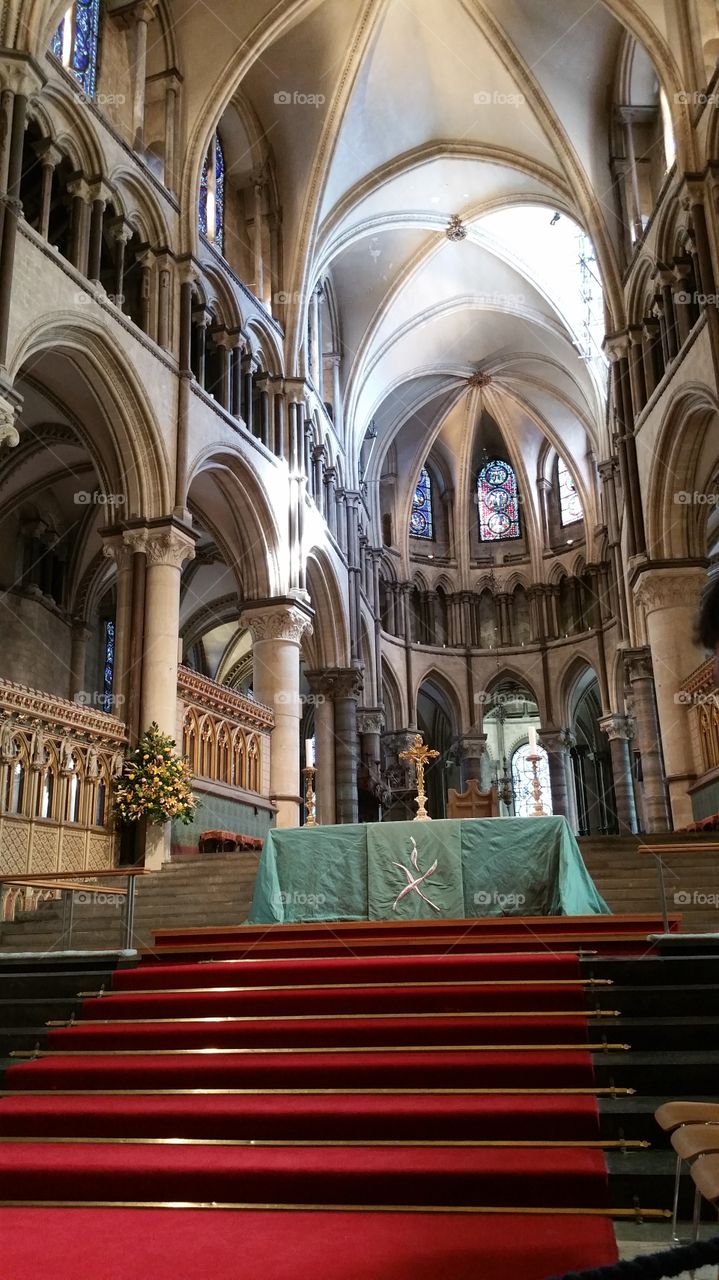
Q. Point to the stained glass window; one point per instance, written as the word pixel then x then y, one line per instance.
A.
pixel 219 194
pixel 570 507
pixel 75 42
pixel 498 501
pixel 523 779
pixel 108 666
pixel 211 204
pixel 420 524
pixel 202 210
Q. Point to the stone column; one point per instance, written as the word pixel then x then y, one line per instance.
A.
pixel 654 790
pixel 636 370
pixel 120 234
pixel 324 746
pixel 167 546
pixel 98 197
pixel 314 338
pixel 471 748
pixel 670 600
pixel 172 88
pixel 18 79
pixel 80 193
pixel 618 730
pixel 79 636
pixel 49 156
pixel 370 726
pixel 277 627
pixel 347 686
pixel 259 182
pixel 141 15
pixel 556 745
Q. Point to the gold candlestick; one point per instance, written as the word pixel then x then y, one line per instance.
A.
pixel 538 811
pixel 420 755
pixel 309 777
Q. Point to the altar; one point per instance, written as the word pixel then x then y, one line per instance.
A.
pixel 448 869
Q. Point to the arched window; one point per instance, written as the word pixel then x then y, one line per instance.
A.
pixel 75 42
pixel 523 780
pixel 498 501
pixel 570 507
pixel 421 524
pixel 108 665
pixel 211 209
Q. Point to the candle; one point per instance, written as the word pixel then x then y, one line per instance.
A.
pixel 309 753
pixel 532 740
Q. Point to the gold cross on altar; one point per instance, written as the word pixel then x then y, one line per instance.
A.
pixel 420 755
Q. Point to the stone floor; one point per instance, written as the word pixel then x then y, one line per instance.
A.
pixel 634 1239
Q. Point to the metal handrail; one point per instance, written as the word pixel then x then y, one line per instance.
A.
pixel 60 881
pixel 660 851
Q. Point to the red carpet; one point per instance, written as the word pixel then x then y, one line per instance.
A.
pixel 126 1244
pixel 288 1117
pixel 403 1046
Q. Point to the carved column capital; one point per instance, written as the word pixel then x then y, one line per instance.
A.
pixel 9 434
pixel 164 545
pixel 617 726
pixel 370 720
pixel 671 588
pixel 277 620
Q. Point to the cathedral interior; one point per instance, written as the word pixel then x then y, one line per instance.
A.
pixel 359 378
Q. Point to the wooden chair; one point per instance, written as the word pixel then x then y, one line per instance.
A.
pixel 686 1123
pixel 472 803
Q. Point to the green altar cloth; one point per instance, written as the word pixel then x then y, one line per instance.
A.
pixel 423 871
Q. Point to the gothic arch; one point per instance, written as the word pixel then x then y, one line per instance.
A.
pixel 686 457
pixel 135 462
pixel 330 621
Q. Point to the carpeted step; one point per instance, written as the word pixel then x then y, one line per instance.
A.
pixel 462 1069
pixel 331 1175
pixel 122 1243
pixel 335 1030
pixel 463 929
pixel 342 999
pixel 348 968
pixel 282 1117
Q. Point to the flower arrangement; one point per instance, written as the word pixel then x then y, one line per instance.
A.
pixel 155 783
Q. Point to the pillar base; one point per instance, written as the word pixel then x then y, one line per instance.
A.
pixel 157 845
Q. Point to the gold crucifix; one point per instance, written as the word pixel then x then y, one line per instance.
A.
pixel 420 755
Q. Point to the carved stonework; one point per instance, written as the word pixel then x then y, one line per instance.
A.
pixel 9 434
pixel 370 720
pixel 209 695
pixel 120 551
pixel 556 741
pixel 617 727
pixel 670 588
pixel 282 621
pixel 639 664
pixel 28 705
pixel 168 546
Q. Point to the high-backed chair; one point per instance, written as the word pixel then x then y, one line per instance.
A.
pixel 472 803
